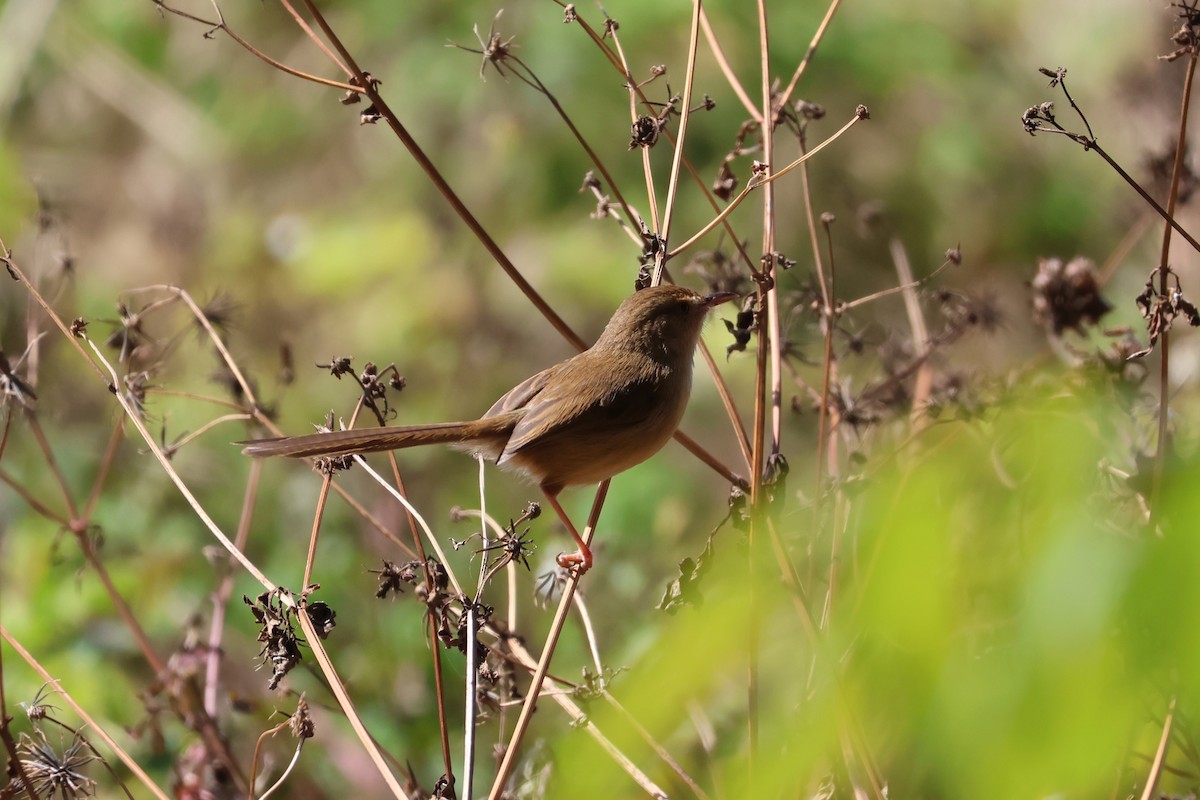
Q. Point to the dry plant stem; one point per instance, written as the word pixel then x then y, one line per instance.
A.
pixel 208 426
pixel 8 418
pixel 598 40
pixel 858 747
pixel 315 534
pixel 404 501
pixel 791 581
pixel 434 643
pixel 918 416
pixel 304 26
pixel 735 417
pixel 435 177
pixel 256 759
pixel 10 744
pixel 1162 212
pixel 216 630
pixel 658 749
pixel 165 463
pixel 473 224
pixel 1156 767
pixel 497 529
pixel 808 55
pixel 218 343
pixel 472 666
pixel 254 51
pixel 118 601
pixel 35 427
pixel 589 633
pixel 756 183
pixel 539 675
pixel 870 298
pixel 207 726
pixel 106 462
pixel 377 524
pixel 1124 247
pixel 768 329
pixel 1163 445
pixel 825 423
pixel 533 80
pixel 439 682
pixel 32 501
pixel 827 306
pixel 714 45
pixel 616 62
pixel 286 772
pixel 578 717
pixel 673 181
pixel 79 527
pixel 647 168
pixel 125 758
pixel 15 270
pixel 347 705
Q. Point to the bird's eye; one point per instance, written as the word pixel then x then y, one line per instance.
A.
pixel 683 306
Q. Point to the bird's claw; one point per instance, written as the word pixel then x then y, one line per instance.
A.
pixel 576 563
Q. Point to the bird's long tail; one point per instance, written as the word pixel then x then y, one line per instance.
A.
pixel 486 435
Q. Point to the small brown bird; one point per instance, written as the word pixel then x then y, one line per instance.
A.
pixel 580 421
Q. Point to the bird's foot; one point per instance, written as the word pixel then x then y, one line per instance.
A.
pixel 576 563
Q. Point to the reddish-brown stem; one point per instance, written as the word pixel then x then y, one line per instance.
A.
pixel 254 51
pixel 32 501
pixel 543 666
pixel 1163 446
pixel 36 428
pixel 106 462
pixel 808 55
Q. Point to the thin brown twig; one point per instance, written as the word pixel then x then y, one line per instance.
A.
pixel 32 501
pixel 818 35
pixel 664 232
pixel 347 705
pixel 572 709
pixel 714 45
pixel 657 747
pixel 759 182
pixel 120 752
pixel 1163 445
pixel 317 40
pixel 539 675
pixel 35 427
pixel 1160 755
pixel 254 51
pixel 923 386
pixel 106 462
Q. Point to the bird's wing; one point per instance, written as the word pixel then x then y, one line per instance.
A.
pixel 578 395
pixel 520 395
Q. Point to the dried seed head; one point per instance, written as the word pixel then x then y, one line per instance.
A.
pixel 1067 295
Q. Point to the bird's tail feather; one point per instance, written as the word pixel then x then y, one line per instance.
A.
pixel 483 434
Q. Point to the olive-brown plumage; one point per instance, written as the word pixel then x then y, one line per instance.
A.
pixel 580 421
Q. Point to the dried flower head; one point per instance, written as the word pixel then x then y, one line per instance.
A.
pixel 1067 295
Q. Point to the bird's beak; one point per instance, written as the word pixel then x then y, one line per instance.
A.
pixel 716 298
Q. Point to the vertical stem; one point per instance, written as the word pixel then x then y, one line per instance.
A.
pixel 1164 392
pixel 543 665
pixel 766 343
pixel 677 158
pixel 472 654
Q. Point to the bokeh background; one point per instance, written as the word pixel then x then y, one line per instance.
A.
pixel 138 152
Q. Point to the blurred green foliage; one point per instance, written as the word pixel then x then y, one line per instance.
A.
pixel 1004 623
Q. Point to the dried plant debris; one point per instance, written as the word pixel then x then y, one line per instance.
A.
pixel 1067 296
pixel 1160 307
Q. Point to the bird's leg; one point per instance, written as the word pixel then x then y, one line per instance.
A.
pixel 581 560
